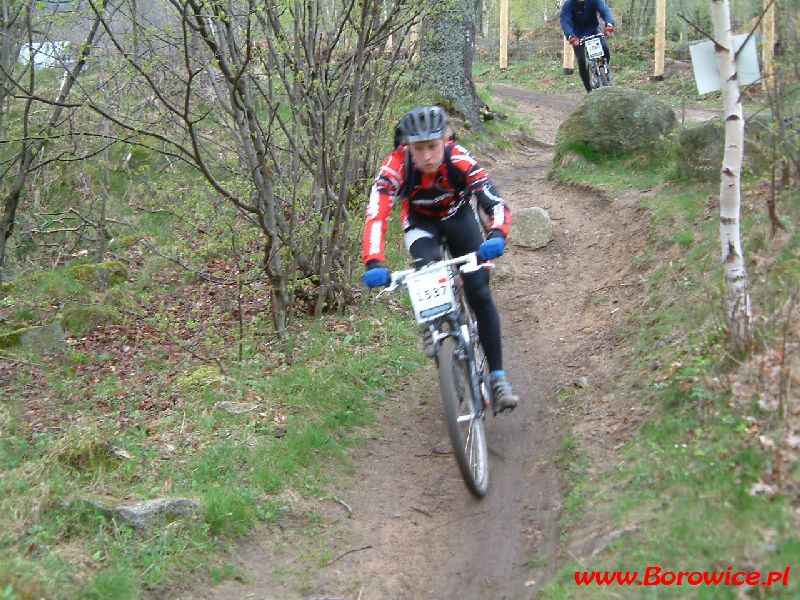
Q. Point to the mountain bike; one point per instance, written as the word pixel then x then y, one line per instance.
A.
pixel 439 303
pixel 596 62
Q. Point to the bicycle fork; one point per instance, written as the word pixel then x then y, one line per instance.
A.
pixel 460 330
pixel 482 400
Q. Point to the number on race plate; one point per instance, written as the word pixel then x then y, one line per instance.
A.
pixel 594 48
pixel 431 294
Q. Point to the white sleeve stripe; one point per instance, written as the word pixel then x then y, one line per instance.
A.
pixel 499 215
pixel 372 207
pixel 375 235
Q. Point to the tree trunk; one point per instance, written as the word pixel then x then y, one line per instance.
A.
pixel 739 310
pixel 446 53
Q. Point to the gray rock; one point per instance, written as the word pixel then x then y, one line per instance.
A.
pixel 501 272
pixel 149 514
pixel 236 408
pixel 580 382
pixel 48 338
pixel 592 546
pixel 615 120
pixel 531 228
pixel 701 147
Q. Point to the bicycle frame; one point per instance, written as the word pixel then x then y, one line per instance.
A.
pixel 453 322
pixel 437 296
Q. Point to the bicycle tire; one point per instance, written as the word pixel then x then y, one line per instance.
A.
pixel 464 423
pixel 595 76
pixel 603 75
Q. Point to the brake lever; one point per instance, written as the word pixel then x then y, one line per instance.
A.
pixel 472 265
pixel 393 285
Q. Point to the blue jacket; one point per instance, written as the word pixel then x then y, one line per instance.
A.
pixel 579 19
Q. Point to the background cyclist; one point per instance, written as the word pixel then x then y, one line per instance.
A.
pixel 436 182
pixel 579 19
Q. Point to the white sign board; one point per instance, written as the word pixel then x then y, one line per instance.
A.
pixel 46 54
pixel 704 62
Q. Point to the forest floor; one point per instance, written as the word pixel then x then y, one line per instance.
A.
pixel 404 525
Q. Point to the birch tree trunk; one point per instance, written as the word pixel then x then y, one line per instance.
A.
pixel 739 310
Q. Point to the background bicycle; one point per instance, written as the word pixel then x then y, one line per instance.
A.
pixel 599 71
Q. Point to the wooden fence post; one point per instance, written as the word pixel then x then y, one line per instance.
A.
pixel 569 58
pixel 503 34
pixel 661 34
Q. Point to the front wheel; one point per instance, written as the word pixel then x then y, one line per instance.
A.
pixel 464 424
pixel 605 75
pixel 595 75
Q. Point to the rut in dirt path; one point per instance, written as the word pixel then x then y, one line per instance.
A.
pixel 411 529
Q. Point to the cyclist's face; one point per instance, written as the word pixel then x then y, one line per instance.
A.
pixel 428 155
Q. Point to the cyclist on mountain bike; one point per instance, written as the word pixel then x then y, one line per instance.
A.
pixel 578 20
pixel 435 178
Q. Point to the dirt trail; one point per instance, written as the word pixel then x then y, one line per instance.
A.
pixel 414 531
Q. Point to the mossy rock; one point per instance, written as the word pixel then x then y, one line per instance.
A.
pixel 83 448
pixel 200 379
pixel 701 147
pixel 11 339
pixel 105 273
pixel 154 269
pixel 80 319
pixel 615 120
pixel 41 337
pixel 47 338
pixel 126 241
pixel 119 296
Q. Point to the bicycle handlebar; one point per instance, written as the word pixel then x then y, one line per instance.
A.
pixel 466 264
pixel 594 35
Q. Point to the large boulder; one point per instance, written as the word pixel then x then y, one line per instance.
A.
pixel 615 120
pixel 701 147
pixel 81 319
pixel 102 274
pixel 48 338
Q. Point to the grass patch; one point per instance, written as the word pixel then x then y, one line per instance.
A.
pixel 705 484
pixel 311 407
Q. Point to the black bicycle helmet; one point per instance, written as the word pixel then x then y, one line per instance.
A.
pixel 424 123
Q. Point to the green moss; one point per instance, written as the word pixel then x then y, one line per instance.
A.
pixel 105 273
pixel 11 339
pixel 82 448
pixel 214 250
pixel 200 379
pixel 81 319
pixel 119 296
pixel 126 241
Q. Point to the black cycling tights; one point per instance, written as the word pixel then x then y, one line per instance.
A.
pixel 463 235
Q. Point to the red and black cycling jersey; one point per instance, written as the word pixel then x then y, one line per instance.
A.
pixel 431 195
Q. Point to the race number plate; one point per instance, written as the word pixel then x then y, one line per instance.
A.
pixel 594 48
pixel 431 293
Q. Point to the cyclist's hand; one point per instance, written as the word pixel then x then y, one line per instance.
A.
pixel 377 274
pixel 609 29
pixel 492 248
pixel 574 41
